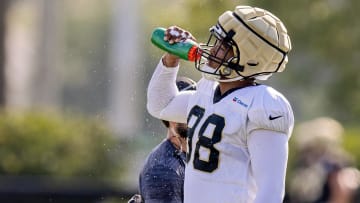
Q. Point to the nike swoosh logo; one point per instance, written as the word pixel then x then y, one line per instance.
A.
pixel 273 118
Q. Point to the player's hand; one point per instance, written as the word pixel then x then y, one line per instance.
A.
pixel 175 34
pixel 135 199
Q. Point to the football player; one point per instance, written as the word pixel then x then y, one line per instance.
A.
pixel 238 128
pixel 162 177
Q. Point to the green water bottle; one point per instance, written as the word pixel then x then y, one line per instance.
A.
pixel 187 50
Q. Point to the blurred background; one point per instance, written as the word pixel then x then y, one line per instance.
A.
pixel 73 78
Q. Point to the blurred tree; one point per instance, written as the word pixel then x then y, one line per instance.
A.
pixel 85 56
pixel 3 9
pixel 47 80
pixel 125 93
pixel 52 144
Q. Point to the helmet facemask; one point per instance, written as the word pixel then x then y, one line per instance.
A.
pixel 222 67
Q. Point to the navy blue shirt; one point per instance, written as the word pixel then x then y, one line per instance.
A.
pixel 162 177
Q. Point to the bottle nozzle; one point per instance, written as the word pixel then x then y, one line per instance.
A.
pixel 194 53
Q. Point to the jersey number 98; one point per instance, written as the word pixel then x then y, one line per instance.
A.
pixel 206 141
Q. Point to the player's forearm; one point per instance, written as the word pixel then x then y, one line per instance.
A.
pixel 269 152
pixel 269 194
pixel 161 89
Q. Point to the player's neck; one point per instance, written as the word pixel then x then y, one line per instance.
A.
pixel 226 86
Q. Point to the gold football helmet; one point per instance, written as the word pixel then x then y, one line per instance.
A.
pixel 256 43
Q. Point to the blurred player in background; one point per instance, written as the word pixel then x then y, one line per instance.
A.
pixel 324 170
pixel 238 129
pixel 162 177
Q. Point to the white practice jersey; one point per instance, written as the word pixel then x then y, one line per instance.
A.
pixel 218 156
pixel 218 166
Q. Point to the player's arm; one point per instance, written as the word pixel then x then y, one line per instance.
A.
pixel 136 199
pixel 269 154
pixel 164 101
pixel 161 89
pixel 270 125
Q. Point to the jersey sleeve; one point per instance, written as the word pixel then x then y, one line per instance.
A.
pixel 164 101
pixel 268 150
pixel 270 110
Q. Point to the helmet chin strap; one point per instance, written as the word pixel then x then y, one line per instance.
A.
pixel 210 74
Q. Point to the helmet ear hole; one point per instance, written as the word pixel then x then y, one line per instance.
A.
pixel 234 64
pixel 252 62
